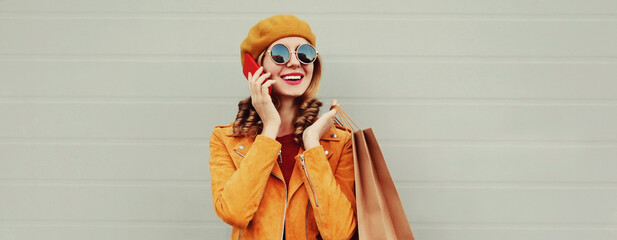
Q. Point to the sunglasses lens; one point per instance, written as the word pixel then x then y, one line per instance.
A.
pixel 306 53
pixel 280 53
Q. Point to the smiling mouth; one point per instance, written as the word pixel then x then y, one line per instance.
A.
pixel 293 79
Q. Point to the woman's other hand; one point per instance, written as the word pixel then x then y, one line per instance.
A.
pixel 262 102
pixel 313 133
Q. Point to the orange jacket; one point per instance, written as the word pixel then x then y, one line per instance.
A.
pixel 249 192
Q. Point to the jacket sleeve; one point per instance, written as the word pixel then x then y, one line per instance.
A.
pixel 237 193
pixel 331 191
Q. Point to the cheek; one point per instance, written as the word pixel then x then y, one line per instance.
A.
pixel 309 70
pixel 273 70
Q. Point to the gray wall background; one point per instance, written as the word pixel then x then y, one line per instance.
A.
pixel 498 118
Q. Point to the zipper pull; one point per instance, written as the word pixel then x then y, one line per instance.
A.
pixel 302 160
pixel 280 160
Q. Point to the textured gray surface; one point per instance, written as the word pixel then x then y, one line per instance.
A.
pixel 497 118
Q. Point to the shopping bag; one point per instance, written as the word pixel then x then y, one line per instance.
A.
pixel 379 209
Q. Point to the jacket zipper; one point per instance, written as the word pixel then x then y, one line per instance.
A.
pixel 285 211
pixel 309 179
pixel 307 219
pixel 239 153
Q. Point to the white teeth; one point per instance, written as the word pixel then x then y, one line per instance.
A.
pixel 292 77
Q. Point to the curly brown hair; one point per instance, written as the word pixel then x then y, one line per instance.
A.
pixel 248 123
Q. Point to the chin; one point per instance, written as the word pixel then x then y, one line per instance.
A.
pixel 290 94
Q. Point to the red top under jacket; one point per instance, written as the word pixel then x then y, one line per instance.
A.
pixel 289 150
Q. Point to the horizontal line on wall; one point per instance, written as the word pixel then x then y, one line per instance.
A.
pixel 322 16
pixel 111 223
pixel 221 224
pixel 505 185
pixel 399 184
pixel 68 141
pixel 116 182
pixel 510 226
pixel 414 101
pixel 118 100
pixel 346 101
pixel 339 58
pixel 139 58
pixel 475 143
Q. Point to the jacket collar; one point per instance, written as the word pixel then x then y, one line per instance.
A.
pixel 295 181
pixel 244 145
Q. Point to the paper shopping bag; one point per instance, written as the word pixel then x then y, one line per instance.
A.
pixel 379 209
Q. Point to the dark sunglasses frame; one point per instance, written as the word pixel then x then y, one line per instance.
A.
pixel 292 52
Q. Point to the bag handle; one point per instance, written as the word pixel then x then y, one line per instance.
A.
pixel 342 119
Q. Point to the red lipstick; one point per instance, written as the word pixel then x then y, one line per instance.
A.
pixel 293 78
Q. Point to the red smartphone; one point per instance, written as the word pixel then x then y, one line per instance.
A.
pixel 251 66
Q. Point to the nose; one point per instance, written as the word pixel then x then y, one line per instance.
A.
pixel 293 61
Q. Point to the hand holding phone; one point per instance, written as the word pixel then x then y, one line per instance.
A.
pixel 251 66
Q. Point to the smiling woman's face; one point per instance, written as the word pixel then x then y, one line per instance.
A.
pixel 293 77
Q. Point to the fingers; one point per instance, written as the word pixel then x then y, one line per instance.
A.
pixel 326 119
pixel 256 73
pixel 266 86
pixel 320 127
pixel 257 86
pixel 261 80
pixel 258 77
pixel 260 84
pixel 330 114
pixel 250 83
pixel 334 104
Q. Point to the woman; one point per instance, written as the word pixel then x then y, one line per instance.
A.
pixel 279 172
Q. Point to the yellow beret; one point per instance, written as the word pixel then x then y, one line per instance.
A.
pixel 268 30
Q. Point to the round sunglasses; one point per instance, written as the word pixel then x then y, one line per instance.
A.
pixel 305 53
